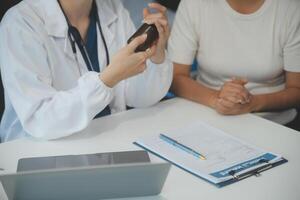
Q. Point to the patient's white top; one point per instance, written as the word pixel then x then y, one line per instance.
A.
pixel 260 46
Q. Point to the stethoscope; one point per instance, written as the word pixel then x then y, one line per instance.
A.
pixel 75 38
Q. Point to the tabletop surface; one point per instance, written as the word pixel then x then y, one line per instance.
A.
pixel 117 133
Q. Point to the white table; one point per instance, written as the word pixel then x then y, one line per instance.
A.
pixel 117 132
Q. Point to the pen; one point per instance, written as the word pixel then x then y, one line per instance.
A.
pixel 182 146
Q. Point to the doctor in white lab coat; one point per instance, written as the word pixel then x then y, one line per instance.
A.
pixel 49 90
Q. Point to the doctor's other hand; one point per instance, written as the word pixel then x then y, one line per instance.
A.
pixel 126 63
pixel 160 20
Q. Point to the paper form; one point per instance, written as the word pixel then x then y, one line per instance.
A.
pixel 221 150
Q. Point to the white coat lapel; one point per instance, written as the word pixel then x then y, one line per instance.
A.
pixel 107 18
pixel 56 26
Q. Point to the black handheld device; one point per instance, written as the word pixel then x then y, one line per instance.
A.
pixel 152 36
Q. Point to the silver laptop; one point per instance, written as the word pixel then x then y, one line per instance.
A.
pixel 89 182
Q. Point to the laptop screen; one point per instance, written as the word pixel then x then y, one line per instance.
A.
pixel 73 161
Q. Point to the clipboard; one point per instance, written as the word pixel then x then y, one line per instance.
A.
pixel 232 173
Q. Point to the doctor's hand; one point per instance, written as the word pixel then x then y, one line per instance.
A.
pixel 161 22
pixel 126 63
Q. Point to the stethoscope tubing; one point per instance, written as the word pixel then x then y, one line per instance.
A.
pixel 79 41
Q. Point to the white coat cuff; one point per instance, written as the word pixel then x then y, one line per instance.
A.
pixel 96 93
pixel 100 83
pixel 101 88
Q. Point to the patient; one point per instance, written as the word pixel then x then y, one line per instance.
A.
pixel 248 53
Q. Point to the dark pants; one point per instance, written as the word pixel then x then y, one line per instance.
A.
pixel 295 124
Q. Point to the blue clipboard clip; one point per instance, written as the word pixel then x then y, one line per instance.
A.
pixel 256 172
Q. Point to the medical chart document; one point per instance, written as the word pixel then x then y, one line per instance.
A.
pixel 227 159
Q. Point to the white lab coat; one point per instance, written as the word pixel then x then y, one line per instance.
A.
pixel 48 95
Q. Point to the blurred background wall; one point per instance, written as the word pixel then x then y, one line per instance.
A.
pixel 135 8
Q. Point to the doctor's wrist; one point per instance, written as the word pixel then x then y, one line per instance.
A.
pixel 159 57
pixel 109 78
